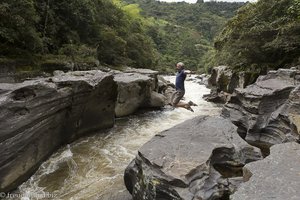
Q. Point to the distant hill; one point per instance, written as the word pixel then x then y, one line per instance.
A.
pixel 183 31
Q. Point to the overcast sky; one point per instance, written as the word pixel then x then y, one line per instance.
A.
pixel 194 1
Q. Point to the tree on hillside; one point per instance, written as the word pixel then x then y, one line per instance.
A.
pixel 17 27
pixel 263 35
pixel 183 31
pixel 75 28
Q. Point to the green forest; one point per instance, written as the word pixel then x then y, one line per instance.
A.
pixel 262 36
pixel 143 34
pixel 185 32
pixel 151 34
pixel 76 30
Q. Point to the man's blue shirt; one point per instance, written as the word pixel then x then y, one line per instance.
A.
pixel 180 77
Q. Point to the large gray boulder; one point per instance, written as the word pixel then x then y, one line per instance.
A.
pixel 38 116
pixel 157 100
pixel 276 177
pixel 136 90
pixel 223 82
pixel 220 78
pixel 268 112
pixel 147 72
pixel 225 79
pixel 166 88
pixel 201 158
pixel 219 82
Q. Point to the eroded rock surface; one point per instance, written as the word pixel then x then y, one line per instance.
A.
pixel 201 158
pixel 38 116
pixel 268 112
pixel 276 177
pixel 223 82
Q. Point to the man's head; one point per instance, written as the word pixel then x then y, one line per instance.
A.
pixel 179 65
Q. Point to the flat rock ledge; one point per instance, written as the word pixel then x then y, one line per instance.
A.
pixel 201 158
pixel 276 177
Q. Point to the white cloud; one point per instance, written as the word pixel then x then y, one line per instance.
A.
pixel 194 1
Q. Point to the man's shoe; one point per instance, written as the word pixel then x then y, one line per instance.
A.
pixel 188 107
pixel 192 103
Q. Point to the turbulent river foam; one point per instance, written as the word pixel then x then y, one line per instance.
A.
pixel 93 167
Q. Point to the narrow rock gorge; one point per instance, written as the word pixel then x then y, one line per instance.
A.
pixel 38 116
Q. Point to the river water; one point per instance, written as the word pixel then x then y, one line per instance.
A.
pixel 93 167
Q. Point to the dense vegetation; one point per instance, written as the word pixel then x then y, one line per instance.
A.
pixel 137 33
pixel 264 35
pixel 183 31
pixel 75 29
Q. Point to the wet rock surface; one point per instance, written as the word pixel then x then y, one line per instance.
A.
pixel 38 116
pixel 276 177
pixel 268 111
pixel 201 158
pixel 137 90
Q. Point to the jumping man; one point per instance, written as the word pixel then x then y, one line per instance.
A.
pixel 180 90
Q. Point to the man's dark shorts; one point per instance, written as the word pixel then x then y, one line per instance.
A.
pixel 177 96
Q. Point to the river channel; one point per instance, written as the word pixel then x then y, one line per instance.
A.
pixel 92 167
